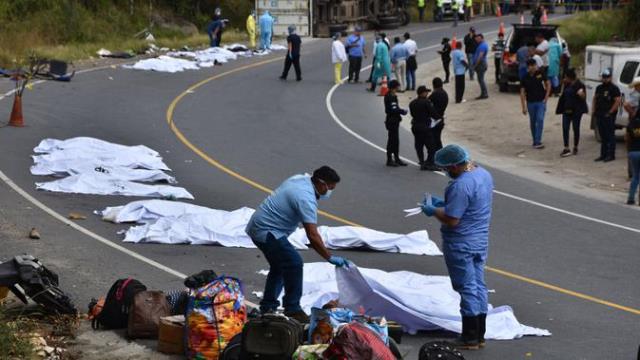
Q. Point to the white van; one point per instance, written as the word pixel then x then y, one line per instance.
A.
pixel 624 60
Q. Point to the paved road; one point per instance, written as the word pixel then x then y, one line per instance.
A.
pixel 265 130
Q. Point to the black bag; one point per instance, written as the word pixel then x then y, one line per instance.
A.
pixel 271 337
pixel 115 313
pixel 439 350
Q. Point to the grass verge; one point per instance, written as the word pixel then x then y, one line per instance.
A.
pixel 14 344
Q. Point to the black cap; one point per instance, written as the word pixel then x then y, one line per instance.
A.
pixel 422 89
pixel 394 84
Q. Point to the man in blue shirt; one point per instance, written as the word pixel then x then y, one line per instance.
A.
pixel 522 55
pixel 480 64
pixel 294 202
pixel 465 214
pixel 355 49
pixel 460 66
pixel 399 56
pixel 215 28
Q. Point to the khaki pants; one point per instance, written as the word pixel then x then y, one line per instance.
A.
pixel 400 70
pixel 337 71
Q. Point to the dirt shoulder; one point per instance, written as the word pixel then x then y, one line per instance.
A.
pixel 498 135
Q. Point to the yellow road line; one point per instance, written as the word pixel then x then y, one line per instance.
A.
pixel 217 164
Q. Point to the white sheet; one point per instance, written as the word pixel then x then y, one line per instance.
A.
pixel 99 184
pixel 218 54
pixel 90 144
pixel 164 63
pixel 418 302
pixel 66 168
pixel 171 222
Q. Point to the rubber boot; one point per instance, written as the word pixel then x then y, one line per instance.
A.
pixel 469 338
pixel 482 328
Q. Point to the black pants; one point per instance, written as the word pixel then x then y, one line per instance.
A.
pixel 607 129
pixel 434 142
pixel 296 65
pixel 355 63
pixel 373 65
pixel 445 65
pixel 568 121
pixel 393 139
pixel 497 62
pixel 459 88
pixel 421 138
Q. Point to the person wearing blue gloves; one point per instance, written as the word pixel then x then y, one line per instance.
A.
pixel 266 30
pixel 293 54
pixel 295 201
pixel 465 214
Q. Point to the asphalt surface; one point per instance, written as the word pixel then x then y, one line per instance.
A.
pixel 265 130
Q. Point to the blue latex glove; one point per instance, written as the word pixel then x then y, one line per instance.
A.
pixel 339 261
pixel 436 201
pixel 428 208
pixel 290 56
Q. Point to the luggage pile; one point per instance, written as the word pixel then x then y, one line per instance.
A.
pixel 208 319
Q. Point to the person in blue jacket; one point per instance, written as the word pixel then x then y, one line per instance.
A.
pixel 215 28
pixel 381 65
pixel 293 203
pixel 465 215
pixel 266 30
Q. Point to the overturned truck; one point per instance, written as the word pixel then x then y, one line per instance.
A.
pixel 331 16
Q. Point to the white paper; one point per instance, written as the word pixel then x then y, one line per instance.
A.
pixel 412 211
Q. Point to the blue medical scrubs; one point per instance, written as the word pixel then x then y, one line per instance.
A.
pixel 468 198
pixel 291 204
pixel 266 29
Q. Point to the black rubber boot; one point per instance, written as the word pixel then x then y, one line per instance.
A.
pixel 469 338
pixel 482 328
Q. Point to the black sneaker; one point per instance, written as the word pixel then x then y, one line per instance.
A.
pixel 608 158
pixel 565 153
pixel 575 151
pixel 631 202
pixel 301 316
pixel 599 158
pixel 392 163
pixel 400 162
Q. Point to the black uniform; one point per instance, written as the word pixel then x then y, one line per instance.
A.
pixel 470 46
pixel 421 113
pixel 440 100
pixel 445 54
pixel 293 57
pixel 392 123
pixel 605 97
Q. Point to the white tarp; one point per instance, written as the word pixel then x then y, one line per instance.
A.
pixel 99 184
pixel 171 222
pixel 164 63
pixel 218 54
pixel 418 302
pixel 94 166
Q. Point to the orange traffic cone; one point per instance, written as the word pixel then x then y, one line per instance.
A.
pixel 16 112
pixel 384 89
pixel 454 41
pixel 544 16
pixel 501 28
pixel 499 12
pixel 521 19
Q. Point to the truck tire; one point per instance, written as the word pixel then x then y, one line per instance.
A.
pixel 390 26
pixel 337 28
pixel 384 20
pixel 405 18
pixel 503 86
pixel 395 350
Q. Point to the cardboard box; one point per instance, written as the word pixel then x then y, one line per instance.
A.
pixel 171 335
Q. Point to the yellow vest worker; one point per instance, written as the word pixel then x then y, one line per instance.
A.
pixel 251 30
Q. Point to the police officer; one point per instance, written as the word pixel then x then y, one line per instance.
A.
pixel 438 11
pixel 440 100
pixel 606 102
pixel 295 201
pixel 392 123
pixel 465 215
pixel 421 6
pixel 421 111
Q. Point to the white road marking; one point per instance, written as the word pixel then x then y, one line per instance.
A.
pixel 337 120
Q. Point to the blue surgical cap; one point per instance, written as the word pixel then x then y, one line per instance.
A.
pixel 451 155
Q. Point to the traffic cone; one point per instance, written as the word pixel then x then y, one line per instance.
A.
pixel 384 89
pixel 16 112
pixel 544 16
pixel 501 28
pixel 499 11
pixel 454 41
pixel 521 19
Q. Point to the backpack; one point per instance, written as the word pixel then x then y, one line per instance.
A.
pixel 215 314
pixel 355 341
pixel 144 315
pixel 439 350
pixel 115 312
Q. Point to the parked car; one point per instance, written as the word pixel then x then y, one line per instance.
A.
pixel 624 60
pixel 519 35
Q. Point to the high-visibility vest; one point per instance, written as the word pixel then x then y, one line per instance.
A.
pixel 454 5
pixel 420 3
pixel 439 3
pixel 468 3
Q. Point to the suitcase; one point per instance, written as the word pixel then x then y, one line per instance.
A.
pixel 145 313
pixel 271 337
pixel 171 335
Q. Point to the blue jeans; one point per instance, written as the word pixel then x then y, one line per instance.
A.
pixel 285 270
pixel 634 160
pixel 536 120
pixel 480 71
pixel 466 270
pixel 411 79
pixel 522 72
pixel 470 61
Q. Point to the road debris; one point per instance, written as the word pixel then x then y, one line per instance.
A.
pixel 34 234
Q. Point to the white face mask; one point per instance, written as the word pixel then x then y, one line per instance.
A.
pixel 326 195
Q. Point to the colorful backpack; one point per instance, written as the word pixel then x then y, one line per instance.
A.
pixel 215 314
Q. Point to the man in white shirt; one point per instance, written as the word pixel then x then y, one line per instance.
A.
pixel 534 55
pixel 542 49
pixel 338 56
pixel 412 64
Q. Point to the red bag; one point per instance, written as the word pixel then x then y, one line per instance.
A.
pixel 355 341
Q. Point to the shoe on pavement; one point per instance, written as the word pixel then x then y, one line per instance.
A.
pixel 599 158
pixel 392 163
pixel 482 97
pixel 370 90
pixel 631 202
pixel 400 162
pixel 608 158
pixel 464 101
pixel 575 151
pixel 539 146
pixel 282 78
pixel 565 153
pixel 301 316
